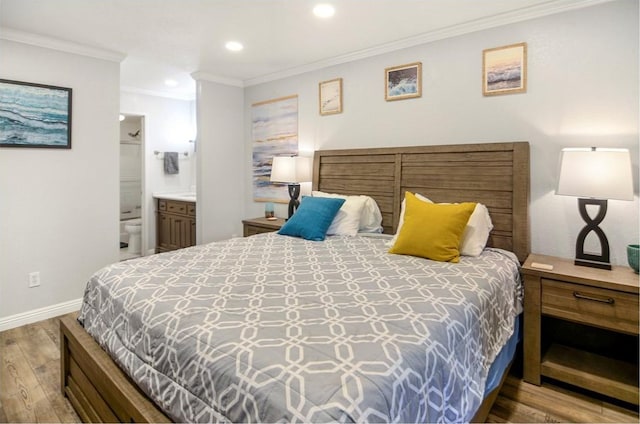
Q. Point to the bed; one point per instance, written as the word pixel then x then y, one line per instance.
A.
pixel 268 350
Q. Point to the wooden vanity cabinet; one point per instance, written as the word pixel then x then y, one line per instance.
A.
pixel 175 225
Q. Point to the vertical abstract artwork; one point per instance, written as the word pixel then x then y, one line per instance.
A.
pixel 274 127
pixel 504 70
pixel 34 115
pixel 403 82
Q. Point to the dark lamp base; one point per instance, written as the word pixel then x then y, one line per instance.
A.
pixel 294 193
pixel 600 261
pixel 592 264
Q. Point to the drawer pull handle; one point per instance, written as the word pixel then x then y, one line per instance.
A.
pixel 607 300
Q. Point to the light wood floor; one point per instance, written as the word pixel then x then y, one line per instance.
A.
pixel 30 388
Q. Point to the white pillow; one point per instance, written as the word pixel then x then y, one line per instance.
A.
pixel 370 218
pixel 347 220
pixel 475 235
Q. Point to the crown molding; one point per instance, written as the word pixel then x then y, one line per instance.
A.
pixel 205 76
pixel 158 93
pixel 549 8
pixel 17 36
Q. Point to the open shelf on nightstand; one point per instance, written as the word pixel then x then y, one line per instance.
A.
pixel 611 377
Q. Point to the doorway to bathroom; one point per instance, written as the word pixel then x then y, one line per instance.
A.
pixel 131 184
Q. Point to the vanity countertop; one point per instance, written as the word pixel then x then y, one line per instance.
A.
pixel 184 196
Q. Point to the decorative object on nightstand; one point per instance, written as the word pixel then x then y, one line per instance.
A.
pixel 632 256
pixel 581 326
pixel 595 175
pixel 292 170
pixel 269 213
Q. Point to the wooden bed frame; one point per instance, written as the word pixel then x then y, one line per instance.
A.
pixel 496 174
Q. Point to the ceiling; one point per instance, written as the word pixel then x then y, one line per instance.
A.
pixel 171 39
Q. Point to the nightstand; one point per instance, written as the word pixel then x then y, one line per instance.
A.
pixel 568 311
pixel 261 225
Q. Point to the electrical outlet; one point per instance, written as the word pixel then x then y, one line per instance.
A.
pixel 34 279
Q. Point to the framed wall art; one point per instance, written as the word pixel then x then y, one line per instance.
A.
pixel 330 96
pixel 274 132
pixel 403 82
pixel 34 115
pixel 504 70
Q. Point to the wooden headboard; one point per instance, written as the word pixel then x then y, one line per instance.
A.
pixel 496 174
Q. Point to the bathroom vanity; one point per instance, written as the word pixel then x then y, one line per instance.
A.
pixel 175 223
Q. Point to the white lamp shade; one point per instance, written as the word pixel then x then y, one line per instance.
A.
pixel 291 169
pixel 596 173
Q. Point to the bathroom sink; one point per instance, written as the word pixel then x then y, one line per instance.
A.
pixel 191 197
pixel 183 196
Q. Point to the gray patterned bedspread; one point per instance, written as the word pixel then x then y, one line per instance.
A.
pixel 272 328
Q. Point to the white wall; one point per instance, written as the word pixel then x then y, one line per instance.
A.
pixel 582 91
pixel 169 125
pixel 58 208
pixel 58 213
pixel 220 159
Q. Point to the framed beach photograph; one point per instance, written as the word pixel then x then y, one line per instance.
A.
pixel 330 96
pixel 504 70
pixel 403 82
pixel 34 115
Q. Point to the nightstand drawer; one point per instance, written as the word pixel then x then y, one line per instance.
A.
pixel 251 230
pixel 590 305
pixel 261 225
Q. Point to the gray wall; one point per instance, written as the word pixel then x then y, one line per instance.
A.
pixel 582 91
pixel 220 158
pixel 59 208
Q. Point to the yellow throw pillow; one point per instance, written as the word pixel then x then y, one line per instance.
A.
pixel 431 230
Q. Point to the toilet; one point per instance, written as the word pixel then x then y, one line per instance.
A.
pixel 134 228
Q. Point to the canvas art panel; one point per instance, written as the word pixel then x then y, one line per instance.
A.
pixel 274 132
pixel 403 82
pixel 34 115
pixel 330 96
pixel 504 70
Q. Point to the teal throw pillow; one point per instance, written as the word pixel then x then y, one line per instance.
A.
pixel 313 218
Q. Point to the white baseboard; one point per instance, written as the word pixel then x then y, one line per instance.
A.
pixel 36 315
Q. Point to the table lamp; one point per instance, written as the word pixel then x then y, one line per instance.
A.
pixel 292 170
pixel 595 175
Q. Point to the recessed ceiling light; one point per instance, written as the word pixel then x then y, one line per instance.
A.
pixel 171 83
pixel 234 46
pixel 324 10
pixel 121 117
